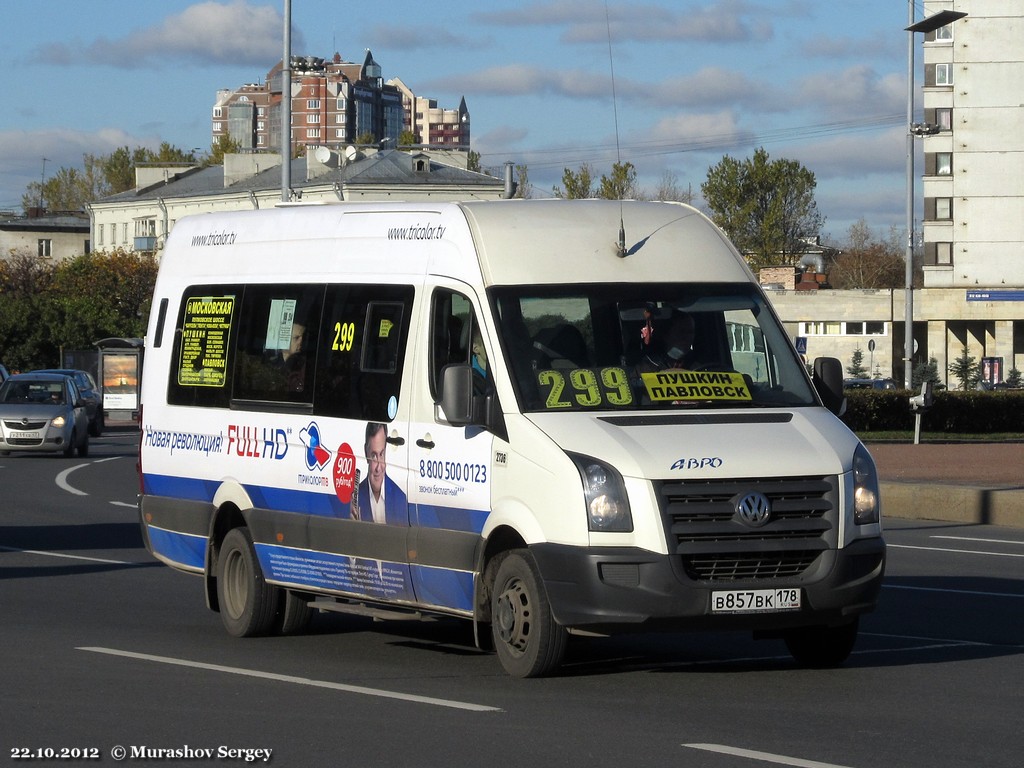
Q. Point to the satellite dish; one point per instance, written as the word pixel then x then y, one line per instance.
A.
pixel 351 153
pixel 322 155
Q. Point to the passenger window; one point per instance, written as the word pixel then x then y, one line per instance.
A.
pixel 202 358
pixel 362 350
pixel 453 329
pixel 277 342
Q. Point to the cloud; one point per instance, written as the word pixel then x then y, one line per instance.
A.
pixel 421 37
pixel 233 33
pixel 525 79
pixel 22 153
pixel 725 21
pixel 855 91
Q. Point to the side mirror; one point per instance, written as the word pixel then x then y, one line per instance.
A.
pixel 923 401
pixel 457 394
pixel 828 380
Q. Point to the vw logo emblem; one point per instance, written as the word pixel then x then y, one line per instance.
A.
pixel 754 509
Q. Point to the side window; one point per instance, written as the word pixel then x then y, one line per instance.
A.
pixel 452 329
pixel 364 336
pixel 201 359
pixel 276 347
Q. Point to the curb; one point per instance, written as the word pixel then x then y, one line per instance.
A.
pixel 954 503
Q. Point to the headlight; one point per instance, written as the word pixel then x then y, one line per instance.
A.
pixel 58 422
pixel 865 488
pixel 605 493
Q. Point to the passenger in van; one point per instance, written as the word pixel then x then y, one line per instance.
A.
pixel 477 353
pixel 292 360
pixel 670 346
pixel 380 498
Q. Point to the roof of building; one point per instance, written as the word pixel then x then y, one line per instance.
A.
pixel 59 221
pixel 389 167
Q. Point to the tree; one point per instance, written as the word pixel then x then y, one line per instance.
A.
pixel 224 145
pixel 473 162
pixel 856 368
pixel 524 189
pixel 668 189
pixel 578 185
pixel 766 208
pixel 926 372
pixel 967 369
pixel 866 262
pixel 621 185
pixel 407 139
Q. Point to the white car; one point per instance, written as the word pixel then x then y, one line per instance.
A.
pixel 42 412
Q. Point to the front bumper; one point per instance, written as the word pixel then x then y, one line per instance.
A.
pixel 606 590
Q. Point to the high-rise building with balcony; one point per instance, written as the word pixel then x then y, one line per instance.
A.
pixel 334 103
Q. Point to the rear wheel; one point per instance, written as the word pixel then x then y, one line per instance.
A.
pixel 528 640
pixel 294 615
pixel 248 605
pixel 822 647
pixel 83 447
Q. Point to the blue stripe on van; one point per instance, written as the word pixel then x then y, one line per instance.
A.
pixel 184 549
pixel 193 489
pixel 322 570
pixel 443 587
pixel 449 518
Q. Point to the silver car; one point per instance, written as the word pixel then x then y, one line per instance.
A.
pixel 42 412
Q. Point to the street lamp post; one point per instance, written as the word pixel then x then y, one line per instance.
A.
pixel 929 24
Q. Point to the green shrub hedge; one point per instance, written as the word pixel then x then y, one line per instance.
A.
pixel 978 412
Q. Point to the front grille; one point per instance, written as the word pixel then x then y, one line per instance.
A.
pixel 715 545
pixel 26 441
pixel 24 426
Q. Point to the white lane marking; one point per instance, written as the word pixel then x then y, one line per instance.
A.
pixel 297 680
pixel 986 541
pixel 953 591
pixel 62 478
pixel 69 557
pixel 764 757
pixel 124 504
pixel 955 551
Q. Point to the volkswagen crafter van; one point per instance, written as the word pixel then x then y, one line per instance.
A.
pixel 547 417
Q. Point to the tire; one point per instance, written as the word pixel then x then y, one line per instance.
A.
pixel 95 430
pixel 83 447
pixel 822 647
pixel 294 614
pixel 69 449
pixel 248 605
pixel 528 640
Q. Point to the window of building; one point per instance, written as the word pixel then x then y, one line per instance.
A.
pixel 944 33
pixel 312 103
pixel 45 247
pixel 261 111
pixel 313 118
pixel 312 133
pixel 260 125
pixel 840 328
pixel 944 254
pixel 217 126
pixel 261 140
pixel 218 112
pixel 124 233
pixel 342 105
pixel 944 163
pixel 99 234
pixel 340 133
pixel 943 208
pixel 944 118
pixel 943 74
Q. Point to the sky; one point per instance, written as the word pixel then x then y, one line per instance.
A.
pixel 671 86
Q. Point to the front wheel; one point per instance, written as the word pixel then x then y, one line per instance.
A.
pixel 528 640
pixel 822 647
pixel 248 605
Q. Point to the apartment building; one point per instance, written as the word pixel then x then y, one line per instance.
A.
pixel 334 103
pixel 969 215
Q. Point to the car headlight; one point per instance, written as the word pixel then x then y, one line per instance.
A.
pixel 58 422
pixel 605 493
pixel 865 488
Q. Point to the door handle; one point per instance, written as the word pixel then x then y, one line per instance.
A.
pixel 394 439
pixel 425 442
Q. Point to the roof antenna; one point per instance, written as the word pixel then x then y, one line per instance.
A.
pixel 621 248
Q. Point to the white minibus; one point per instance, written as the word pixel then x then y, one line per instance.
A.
pixel 547 417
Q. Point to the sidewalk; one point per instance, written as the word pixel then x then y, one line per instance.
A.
pixel 956 482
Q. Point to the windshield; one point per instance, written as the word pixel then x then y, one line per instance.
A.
pixel 663 346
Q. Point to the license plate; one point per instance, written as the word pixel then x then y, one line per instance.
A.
pixel 755 600
pixel 22 435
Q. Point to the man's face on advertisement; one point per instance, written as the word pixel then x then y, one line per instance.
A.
pixel 376 461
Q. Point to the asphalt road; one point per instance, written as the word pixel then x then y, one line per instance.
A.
pixel 104 649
